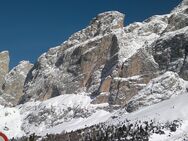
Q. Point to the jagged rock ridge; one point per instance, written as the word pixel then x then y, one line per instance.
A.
pixel 99 59
pixel 97 63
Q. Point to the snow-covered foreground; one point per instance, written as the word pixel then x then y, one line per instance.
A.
pixel 22 120
pixel 173 109
pixel 74 111
pixel 56 115
pixel 10 122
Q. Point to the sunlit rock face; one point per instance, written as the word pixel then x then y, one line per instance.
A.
pixel 80 63
pixel 14 81
pixel 110 62
pixel 4 66
pixel 92 59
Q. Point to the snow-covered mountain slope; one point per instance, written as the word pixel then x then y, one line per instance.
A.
pixel 56 115
pixel 175 108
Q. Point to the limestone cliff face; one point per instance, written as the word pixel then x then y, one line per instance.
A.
pixel 110 62
pixel 80 63
pixel 134 74
pixel 95 58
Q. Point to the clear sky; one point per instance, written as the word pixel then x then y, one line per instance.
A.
pixel 29 28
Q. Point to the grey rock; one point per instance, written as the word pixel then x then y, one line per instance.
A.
pixel 73 71
pixel 4 66
pixel 134 74
pixel 91 59
pixel 177 21
pixel 159 89
pixel 14 82
pixel 170 52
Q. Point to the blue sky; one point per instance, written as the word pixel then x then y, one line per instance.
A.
pixel 29 28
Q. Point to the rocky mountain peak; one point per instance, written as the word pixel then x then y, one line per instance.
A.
pixel 100 25
pixel 95 60
pixel 12 86
pixel 110 20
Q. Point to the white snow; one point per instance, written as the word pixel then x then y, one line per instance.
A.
pixel 98 117
pixel 10 122
pixel 138 35
pixel 4 52
pixel 180 134
pixel 136 77
pixel 63 113
pixel 173 109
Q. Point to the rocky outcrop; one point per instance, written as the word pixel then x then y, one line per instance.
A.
pixel 4 66
pixel 14 82
pixel 170 52
pixel 161 88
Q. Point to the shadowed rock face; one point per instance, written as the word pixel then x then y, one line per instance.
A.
pixel 4 66
pixel 178 19
pixel 170 52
